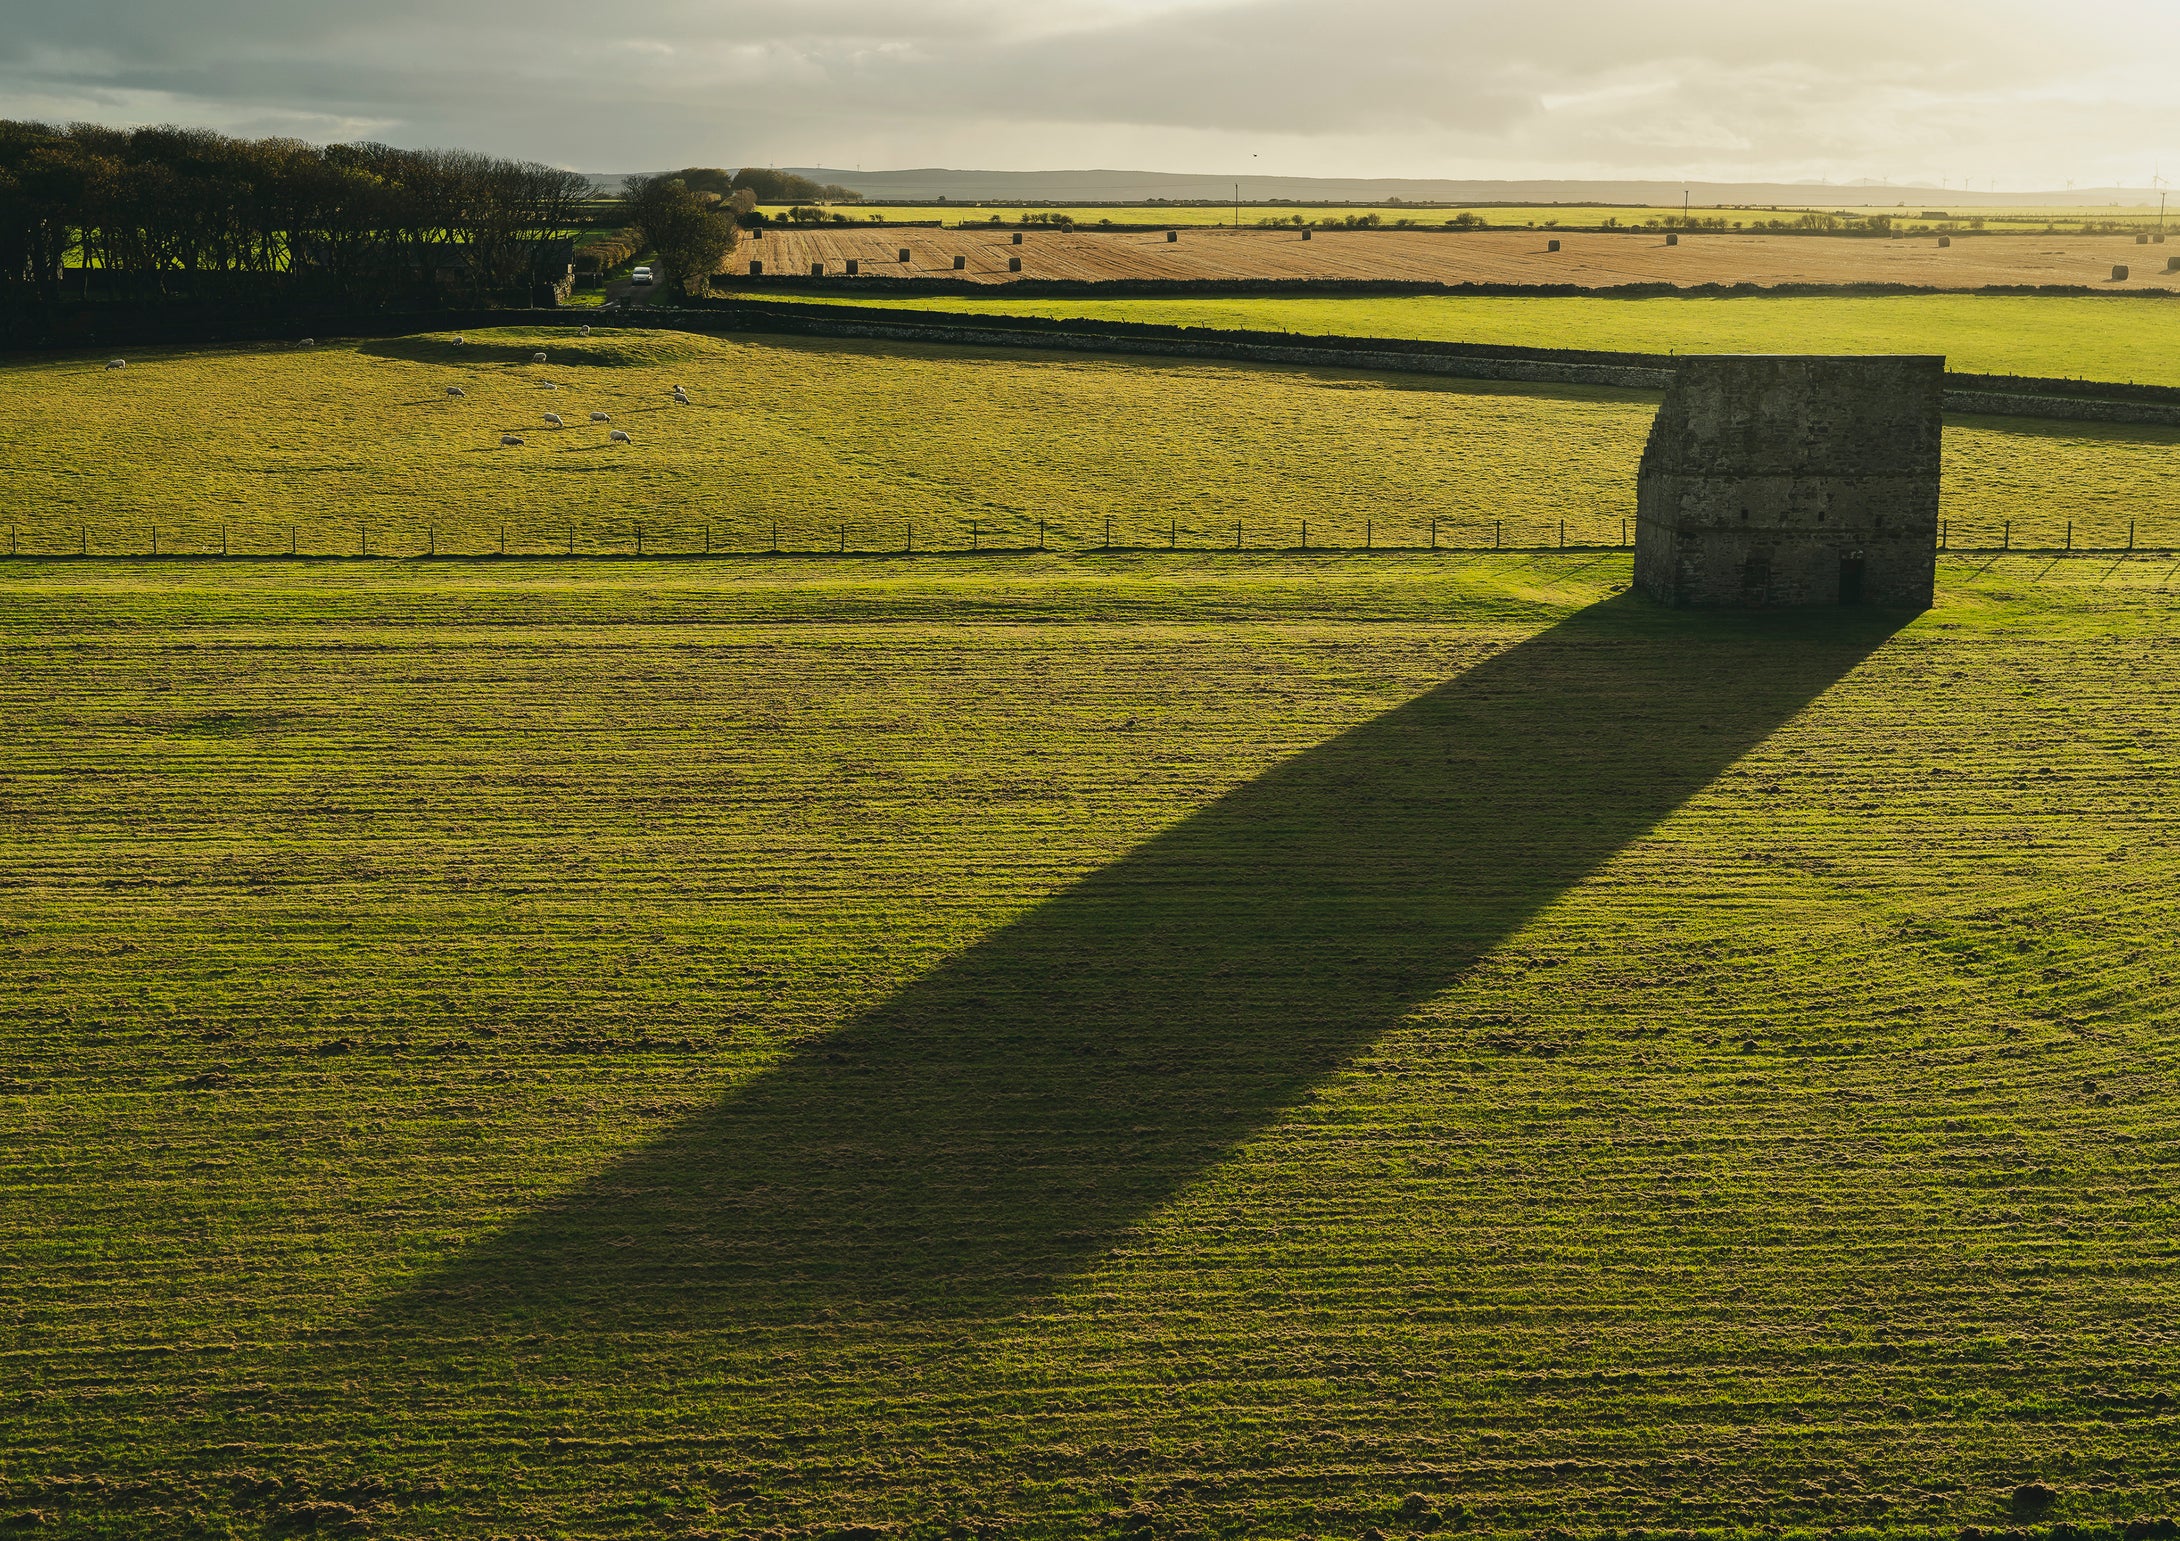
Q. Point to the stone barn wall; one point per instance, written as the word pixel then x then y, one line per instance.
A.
pixel 1776 481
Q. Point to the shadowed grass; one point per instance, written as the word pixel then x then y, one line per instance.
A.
pixel 981 1134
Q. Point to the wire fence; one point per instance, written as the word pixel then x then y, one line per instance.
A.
pixel 804 535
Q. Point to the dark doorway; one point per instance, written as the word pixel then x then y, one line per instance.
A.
pixel 1850 580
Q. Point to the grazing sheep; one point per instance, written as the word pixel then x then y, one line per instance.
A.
pixel 681 395
pixel 537 358
pixel 601 417
pixel 554 419
pixel 620 436
pixel 550 386
pixel 459 341
pixel 456 390
pixel 308 342
pixel 117 363
pixel 511 441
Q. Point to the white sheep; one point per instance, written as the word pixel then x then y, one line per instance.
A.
pixel 583 332
pixel 554 419
pixel 620 436
pixel 681 395
pixel 601 417
pixel 308 342
pixel 456 390
pixel 117 363
pixel 459 340
pixel 537 358
pixel 511 441
pixel 550 386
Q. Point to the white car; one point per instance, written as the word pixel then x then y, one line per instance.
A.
pixel 641 276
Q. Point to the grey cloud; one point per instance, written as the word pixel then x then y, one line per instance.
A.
pixel 1390 86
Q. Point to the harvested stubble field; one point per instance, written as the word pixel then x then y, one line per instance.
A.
pixel 861 445
pixel 1589 260
pixel 1069 1046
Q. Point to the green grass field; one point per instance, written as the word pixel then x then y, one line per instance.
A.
pixel 2086 338
pixel 865 444
pixel 1081 1046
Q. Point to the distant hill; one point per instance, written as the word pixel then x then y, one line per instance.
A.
pixel 1138 186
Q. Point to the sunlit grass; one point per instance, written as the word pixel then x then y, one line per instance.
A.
pixel 873 446
pixel 1081 1045
pixel 2090 338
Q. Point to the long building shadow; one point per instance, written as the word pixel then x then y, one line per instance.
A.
pixel 995 1125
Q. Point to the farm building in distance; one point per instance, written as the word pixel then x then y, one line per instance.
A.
pixel 1773 481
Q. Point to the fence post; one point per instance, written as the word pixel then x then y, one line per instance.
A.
pixel 1237 534
pixel 1945 532
pixel 291 540
pixel 1173 536
pixel 1563 535
pixel 2070 535
pixel 503 540
pixel 1495 525
pixel 1108 532
pixel 843 537
pixel 1040 535
pixel 910 549
pixel 431 540
pixel 83 539
pixel 2130 535
pixel 571 540
pixel 639 537
pixel 775 535
pixel 155 540
pixel 1305 535
pixel 366 529
pixel 2006 542
pixel 1623 532
pixel 1434 534
pixel 1366 535
pixel 972 535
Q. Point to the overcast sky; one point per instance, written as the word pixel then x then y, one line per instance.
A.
pixel 2026 93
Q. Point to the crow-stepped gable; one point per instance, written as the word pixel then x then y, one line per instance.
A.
pixel 1775 481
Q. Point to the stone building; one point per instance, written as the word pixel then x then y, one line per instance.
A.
pixel 1775 481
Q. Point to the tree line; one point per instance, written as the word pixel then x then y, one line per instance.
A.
pixel 169 214
pixel 763 184
pixel 178 213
